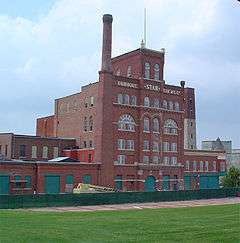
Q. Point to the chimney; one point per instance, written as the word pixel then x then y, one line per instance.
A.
pixel 107 43
pixel 182 84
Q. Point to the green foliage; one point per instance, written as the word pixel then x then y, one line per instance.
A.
pixel 232 178
pixel 197 224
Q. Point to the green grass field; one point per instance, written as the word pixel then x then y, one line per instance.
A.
pixel 198 224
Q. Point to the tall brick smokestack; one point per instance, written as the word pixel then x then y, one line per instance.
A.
pixel 107 43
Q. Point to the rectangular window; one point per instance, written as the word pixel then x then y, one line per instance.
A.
pixel 6 150
pixel 194 165
pixel 89 158
pixel 121 159
pixel 84 144
pixel 22 150
pixel 91 101
pixel 155 160
pixel 121 144
pixel 174 160
pixel 214 166
pixel 130 144
pixel 17 181
pixel 45 152
pixel 155 146
pixel 222 167
pixel 0 148
pixel 34 152
pixel 69 179
pixel 90 144
pixel 145 145
pixel 27 181
pixel 165 146
pixel 55 152
pixel 206 165
pixel 146 159
pixel 174 147
pixel 187 165
pixel 201 165
pixel 166 160
pixel 85 124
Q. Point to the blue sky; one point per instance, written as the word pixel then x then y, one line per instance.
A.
pixel 50 48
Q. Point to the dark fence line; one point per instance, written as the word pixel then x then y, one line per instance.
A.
pixel 86 199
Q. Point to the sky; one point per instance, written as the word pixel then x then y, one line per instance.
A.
pixel 50 48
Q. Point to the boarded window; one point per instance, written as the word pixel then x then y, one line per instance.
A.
pixel 45 152
pixel 55 152
pixel 34 152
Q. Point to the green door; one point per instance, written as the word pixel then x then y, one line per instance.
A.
pixel 166 183
pixel 187 182
pixel 213 182
pixel 118 183
pixel 203 182
pixel 149 184
pixel 4 184
pixel 87 179
pixel 52 184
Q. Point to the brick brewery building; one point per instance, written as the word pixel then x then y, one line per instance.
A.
pixel 132 130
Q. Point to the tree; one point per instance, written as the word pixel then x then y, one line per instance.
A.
pixel 232 178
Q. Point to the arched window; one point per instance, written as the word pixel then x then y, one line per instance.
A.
pixel 177 106
pixel 129 71
pixel 155 125
pixel 156 71
pixel 146 125
pixel 120 99
pixel 146 102
pixel 147 70
pixel 126 99
pixel 165 104
pixel 170 127
pixel 90 123
pixel 118 73
pixel 133 100
pixel 156 103
pixel 170 104
pixel 126 122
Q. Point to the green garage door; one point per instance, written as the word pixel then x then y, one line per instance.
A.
pixel 209 182
pixel 4 184
pixel 187 182
pixel 87 179
pixel 52 184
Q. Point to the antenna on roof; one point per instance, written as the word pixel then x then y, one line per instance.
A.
pixel 144 40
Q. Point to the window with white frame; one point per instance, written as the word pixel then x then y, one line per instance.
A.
pixel 194 166
pixel 155 125
pixel 170 105
pixel 121 159
pixel 187 167
pixel 155 146
pixel 165 104
pixel 133 100
pixel 121 144
pixel 45 152
pixel 120 99
pixel 129 71
pixel 146 125
pixel 145 145
pixel 214 166
pixel 34 152
pixel 166 160
pixel 206 165
pixel 156 71
pixel 146 159
pixel 147 70
pixel 130 144
pixel 126 122
pixel 55 152
pixel 126 99
pixel 155 159
pixel 177 108
pixel 222 167
pixel 156 103
pixel 146 102
pixel 201 166
pixel 170 127
pixel 174 160
pixel 174 147
pixel 90 123
pixel 165 146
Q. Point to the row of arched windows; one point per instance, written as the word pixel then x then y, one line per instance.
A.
pixel 132 100
pixel 168 105
pixel 126 122
pixel 156 69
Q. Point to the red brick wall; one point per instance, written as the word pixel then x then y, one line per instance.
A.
pixel 45 126
pixel 6 145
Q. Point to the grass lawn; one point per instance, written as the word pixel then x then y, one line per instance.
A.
pixel 198 224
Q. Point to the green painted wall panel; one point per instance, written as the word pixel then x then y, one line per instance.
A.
pixel 52 184
pixel 4 184
pixel 149 184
